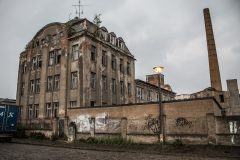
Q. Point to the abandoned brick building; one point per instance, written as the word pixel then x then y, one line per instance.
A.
pixel 75 64
pixel 68 65
pixel 148 91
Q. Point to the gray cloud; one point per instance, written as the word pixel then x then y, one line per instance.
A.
pixel 170 33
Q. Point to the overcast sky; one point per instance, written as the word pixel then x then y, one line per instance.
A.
pixel 170 33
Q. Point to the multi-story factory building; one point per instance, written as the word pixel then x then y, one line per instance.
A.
pixel 74 64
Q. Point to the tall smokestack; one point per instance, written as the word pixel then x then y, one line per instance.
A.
pixel 212 53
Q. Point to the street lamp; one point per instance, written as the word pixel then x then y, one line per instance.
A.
pixel 159 70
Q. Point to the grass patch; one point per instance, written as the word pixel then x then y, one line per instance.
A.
pixel 112 141
pixel 37 135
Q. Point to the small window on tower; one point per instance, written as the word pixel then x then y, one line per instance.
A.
pixel 221 97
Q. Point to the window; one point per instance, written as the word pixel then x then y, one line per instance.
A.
pixel 56 82
pixel 22 88
pixel 121 45
pixel 104 58
pixel 221 97
pixel 73 104
pixel 93 80
pixel 74 80
pixel 75 52
pixel 32 86
pixel 58 56
pixel 37 85
pixel 128 68
pixel 36 110
pixel 34 63
pixel 122 87
pixel 113 86
pixel 51 58
pixel 49 83
pixel 129 89
pixel 113 62
pixel 104 83
pixel 39 61
pixel 92 103
pixel 149 95
pixel 55 109
pixel 93 53
pixel 139 92
pixel 54 39
pixel 48 110
pixel 30 111
pixel 121 66
pixel 54 57
pixel 24 67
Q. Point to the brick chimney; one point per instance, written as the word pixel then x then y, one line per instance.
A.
pixel 212 53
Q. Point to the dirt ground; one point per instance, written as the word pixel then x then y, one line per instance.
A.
pixel 47 150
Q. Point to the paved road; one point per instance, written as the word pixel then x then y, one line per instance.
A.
pixel 11 151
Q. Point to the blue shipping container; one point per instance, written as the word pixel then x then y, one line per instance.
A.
pixel 8 118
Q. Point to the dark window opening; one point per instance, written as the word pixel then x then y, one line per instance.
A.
pixel 92 103
pixel 93 53
pixel 221 97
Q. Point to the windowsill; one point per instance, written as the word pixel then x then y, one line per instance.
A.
pixel 74 60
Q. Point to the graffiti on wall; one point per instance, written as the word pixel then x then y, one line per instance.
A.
pixel 101 123
pixel 183 122
pixel 233 128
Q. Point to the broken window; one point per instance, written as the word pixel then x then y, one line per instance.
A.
pixel 74 80
pixel 31 86
pixel 129 89
pixel 48 110
pixel 93 53
pixel 30 112
pixel 122 87
pixel 54 57
pixel 51 58
pixel 58 56
pixel 113 86
pixel 104 58
pixel 49 83
pixel 73 104
pixel 75 52
pixel 56 82
pixel 39 61
pixel 93 80
pixel 36 110
pixel 149 95
pixel 140 92
pixel 104 83
pixel 128 68
pixel 34 63
pixel 121 66
pixel 55 109
pixel 37 85
pixel 113 62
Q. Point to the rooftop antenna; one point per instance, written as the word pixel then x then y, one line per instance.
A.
pixel 79 10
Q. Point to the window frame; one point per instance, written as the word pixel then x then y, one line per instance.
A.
pixel 74 80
